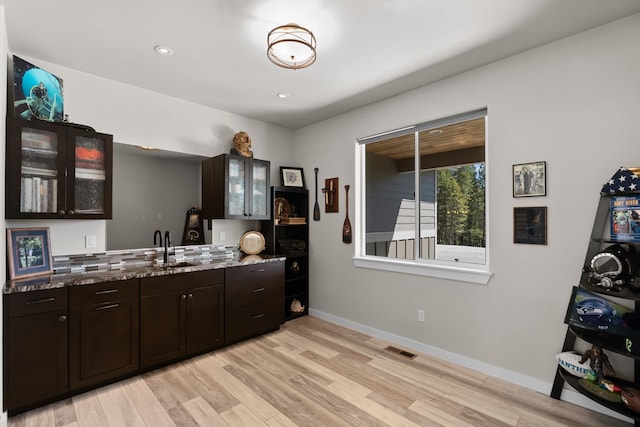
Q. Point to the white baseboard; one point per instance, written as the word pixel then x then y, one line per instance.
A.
pixel 568 394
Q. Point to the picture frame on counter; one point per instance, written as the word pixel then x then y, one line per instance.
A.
pixel 292 177
pixel 29 252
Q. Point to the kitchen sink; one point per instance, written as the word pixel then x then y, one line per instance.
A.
pixel 177 265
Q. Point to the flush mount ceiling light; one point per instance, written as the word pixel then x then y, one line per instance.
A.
pixel 291 46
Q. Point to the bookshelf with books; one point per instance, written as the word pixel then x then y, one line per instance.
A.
pixel 55 170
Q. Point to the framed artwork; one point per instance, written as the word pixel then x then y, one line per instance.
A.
pixel 530 225
pixel 529 179
pixel 29 252
pixel 37 92
pixel 292 177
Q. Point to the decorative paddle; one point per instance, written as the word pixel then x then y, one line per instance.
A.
pixel 316 207
pixel 346 227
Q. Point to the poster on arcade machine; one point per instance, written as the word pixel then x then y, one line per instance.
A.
pixel 625 219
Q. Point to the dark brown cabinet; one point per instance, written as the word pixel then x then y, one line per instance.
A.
pixel 291 239
pixel 235 187
pixel 103 332
pixel 180 315
pixel 58 171
pixel 36 349
pixel 254 299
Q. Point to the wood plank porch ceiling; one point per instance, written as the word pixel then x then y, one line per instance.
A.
pixel 454 137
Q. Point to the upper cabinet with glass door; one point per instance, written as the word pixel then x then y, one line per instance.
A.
pixel 235 187
pixel 56 171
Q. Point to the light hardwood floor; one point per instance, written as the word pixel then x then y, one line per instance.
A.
pixel 311 373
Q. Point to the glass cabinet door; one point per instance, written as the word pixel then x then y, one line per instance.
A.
pixel 90 154
pixel 260 190
pixel 41 152
pixel 237 187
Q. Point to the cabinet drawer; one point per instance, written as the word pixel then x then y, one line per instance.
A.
pixel 43 301
pixel 80 296
pixel 254 319
pixel 177 282
pixel 256 291
pixel 253 271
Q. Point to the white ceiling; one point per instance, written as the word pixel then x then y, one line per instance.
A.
pixel 368 50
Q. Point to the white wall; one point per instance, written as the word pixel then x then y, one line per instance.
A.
pixel 574 104
pixel 140 117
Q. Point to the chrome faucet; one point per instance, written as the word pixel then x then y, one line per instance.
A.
pixel 167 243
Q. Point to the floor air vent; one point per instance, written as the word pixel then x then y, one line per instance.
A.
pixel 400 352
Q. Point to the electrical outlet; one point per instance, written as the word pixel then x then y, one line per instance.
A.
pixel 223 236
pixel 89 241
pixel 420 315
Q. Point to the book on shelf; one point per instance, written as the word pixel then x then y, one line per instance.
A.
pixel 42 152
pixel 31 170
pixel 93 174
pixel 38 194
pixel 38 140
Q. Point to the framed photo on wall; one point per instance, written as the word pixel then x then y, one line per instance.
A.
pixel 530 225
pixel 292 177
pixel 529 179
pixel 29 252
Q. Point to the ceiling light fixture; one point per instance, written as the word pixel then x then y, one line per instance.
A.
pixel 291 46
pixel 163 50
pixel 283 95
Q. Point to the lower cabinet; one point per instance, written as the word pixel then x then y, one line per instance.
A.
pixel 59 342
pixel 180 315
pixel 254 299
pixel 103 332
pixel 36 350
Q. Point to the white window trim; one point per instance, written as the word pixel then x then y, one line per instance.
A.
pixel 430 268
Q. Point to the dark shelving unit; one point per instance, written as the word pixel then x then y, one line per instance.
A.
pixel 291 240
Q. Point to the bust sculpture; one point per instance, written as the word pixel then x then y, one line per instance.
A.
pixel 242 145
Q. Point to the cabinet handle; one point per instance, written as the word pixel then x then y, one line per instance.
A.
pixel 108 291
pixel 61 212
pixel 183 297
pixel 105 307
pixel 257 290
pixel 189 296
pixel 71 212
pixel 62 318
pixel 258 271
pixel 38 301
pixel 257 316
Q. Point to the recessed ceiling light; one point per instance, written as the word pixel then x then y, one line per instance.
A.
pixel 163 50
pixel 283 95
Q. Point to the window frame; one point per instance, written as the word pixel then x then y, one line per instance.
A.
pixel 465 272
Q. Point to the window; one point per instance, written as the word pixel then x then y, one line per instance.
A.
pixel 422 198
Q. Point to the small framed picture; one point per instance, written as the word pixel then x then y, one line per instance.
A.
pixel 530 179
pixel 29 252
pixel 530 225
pixel 292 177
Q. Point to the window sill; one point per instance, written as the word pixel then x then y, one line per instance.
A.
pixel 463 274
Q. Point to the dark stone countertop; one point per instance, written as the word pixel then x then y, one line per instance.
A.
pixel 51 281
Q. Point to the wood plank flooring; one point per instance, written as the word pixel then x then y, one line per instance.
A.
pixel 311 373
